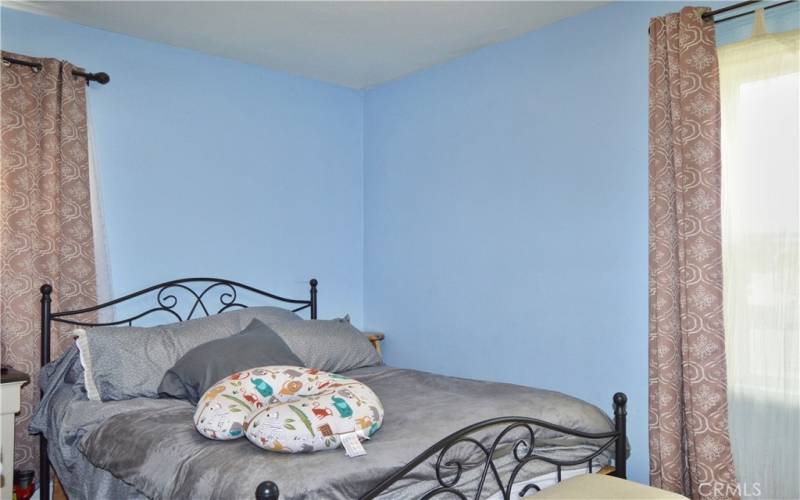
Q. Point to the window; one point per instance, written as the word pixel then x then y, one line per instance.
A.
pixel 759 87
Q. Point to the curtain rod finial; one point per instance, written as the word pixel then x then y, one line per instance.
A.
pixel 101 78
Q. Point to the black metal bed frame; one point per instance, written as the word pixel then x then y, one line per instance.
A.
pixel 448 471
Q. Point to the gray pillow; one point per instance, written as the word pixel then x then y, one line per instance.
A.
pixel 207 364
pixel 128 362
pixel 329 345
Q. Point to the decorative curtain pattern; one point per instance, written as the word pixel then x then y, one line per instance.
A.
pixel 690 449
pixel 45 217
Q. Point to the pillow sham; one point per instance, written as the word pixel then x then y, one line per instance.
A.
pixel 128 362
pixel 207 364
pixel 329 345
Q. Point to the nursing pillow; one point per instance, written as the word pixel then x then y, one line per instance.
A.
pixel 288 409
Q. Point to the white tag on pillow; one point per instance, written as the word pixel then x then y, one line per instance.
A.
pixel 352 445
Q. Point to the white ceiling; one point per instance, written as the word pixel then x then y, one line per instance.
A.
pixel 358 44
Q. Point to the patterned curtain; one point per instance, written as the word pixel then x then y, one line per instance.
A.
pixel 45 217
pixel 690 450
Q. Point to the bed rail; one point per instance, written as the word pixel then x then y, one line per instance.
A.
pixel 448 471
pixel 208 296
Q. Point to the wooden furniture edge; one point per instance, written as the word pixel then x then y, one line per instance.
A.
pixel 376 339
pixel 607 470
pixel 11 375
pixel 58 489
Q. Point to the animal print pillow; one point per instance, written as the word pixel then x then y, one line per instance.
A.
pixel 288 409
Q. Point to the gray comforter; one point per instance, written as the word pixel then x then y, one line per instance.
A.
pixel 153 448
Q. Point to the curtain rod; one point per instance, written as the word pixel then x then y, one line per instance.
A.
pixel 101 78
pixel 708 16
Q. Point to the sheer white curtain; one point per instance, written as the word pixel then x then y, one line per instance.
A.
pixel 759 88
pixel 101 260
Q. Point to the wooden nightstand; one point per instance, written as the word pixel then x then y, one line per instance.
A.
pixel 12 382
pixel 376 338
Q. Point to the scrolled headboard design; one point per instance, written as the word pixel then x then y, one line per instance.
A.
pixel 182 299
pixel 167 300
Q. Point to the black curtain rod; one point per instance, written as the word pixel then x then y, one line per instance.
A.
pixel 708 16
pixel 101 78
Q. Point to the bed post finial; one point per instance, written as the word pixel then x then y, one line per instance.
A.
pixel 313 284
pixel 621 446
pixel 267 490
pixel 46 290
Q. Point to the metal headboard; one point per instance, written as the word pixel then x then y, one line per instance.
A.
pixel 167 294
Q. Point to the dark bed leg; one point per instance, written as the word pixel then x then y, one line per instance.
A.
pixel 267 491
pixel 621 446
pixel 44 469
pixel 44 461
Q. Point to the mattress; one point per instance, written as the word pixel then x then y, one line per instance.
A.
pixel 148 448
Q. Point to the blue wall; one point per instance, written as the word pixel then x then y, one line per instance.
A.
pixel 213 167
pixel 506 212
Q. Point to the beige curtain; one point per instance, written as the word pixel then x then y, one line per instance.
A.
pixel 690 450
pixel 760 92
pixel 45 216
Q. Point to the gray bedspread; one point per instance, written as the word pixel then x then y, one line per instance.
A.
pixel 153 448
pixel 65 416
